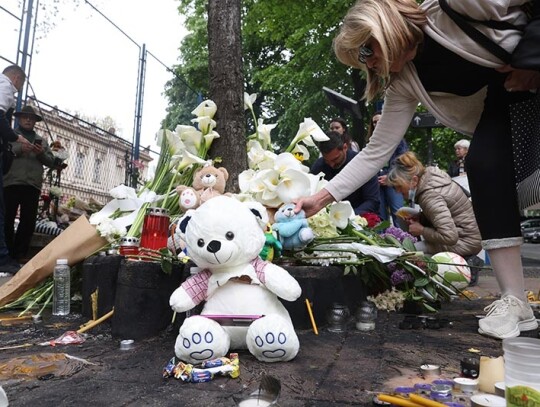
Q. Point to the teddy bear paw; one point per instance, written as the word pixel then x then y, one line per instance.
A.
pixel 201 339
pixel 272 339
pixel 306 235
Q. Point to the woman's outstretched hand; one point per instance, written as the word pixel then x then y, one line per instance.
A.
pixel 314 203
pixel 519 80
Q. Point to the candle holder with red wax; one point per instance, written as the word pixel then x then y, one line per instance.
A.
pixel 129 245
pixel 155 230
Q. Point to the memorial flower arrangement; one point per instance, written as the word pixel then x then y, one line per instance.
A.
pixel 382 256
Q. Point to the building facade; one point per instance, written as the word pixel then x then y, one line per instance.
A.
pixel 98 160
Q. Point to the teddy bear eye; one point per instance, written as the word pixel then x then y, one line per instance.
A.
pixel 229 235
pixel 200 242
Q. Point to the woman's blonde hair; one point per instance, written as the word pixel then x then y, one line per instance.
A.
pixel 395 24
pixel 406 166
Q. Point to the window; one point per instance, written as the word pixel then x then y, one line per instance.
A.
pixel 79 165
pixel 97 171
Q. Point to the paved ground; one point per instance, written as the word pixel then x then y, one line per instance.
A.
pixel 331 369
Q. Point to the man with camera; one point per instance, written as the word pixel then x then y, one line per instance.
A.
pixel 22 184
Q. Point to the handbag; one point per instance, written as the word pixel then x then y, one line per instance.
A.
pixel 7 157
pixel 525 114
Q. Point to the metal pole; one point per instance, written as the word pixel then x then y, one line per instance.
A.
pixel 138 115
pixel 26 42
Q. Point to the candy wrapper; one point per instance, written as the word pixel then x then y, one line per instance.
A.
pixel 67 338
pixel 205 372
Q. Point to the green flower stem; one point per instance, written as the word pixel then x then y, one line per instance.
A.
pixel 364 237
pixel 254 121
pixel 47 302
pixel 39 297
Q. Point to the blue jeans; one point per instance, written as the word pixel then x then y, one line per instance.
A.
pixel 391 201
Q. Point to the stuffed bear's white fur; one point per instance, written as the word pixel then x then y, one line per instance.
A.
pixel 224 237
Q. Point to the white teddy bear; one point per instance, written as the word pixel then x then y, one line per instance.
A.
pixel 224 237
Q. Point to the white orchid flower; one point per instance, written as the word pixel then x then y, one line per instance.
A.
pixel 206 108
pixel 340 212
pixel 264 133
pixel 293 184
pixel 249 100
pixel 206 124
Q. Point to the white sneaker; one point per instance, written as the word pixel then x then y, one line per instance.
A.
pixel 507 317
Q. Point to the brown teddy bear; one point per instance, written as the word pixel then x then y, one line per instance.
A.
pixel 208 182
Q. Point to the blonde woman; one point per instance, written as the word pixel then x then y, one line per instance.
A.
pixel 416 54
pixel 447 221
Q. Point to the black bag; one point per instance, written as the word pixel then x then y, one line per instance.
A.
pixel 524 115
pixel 7 157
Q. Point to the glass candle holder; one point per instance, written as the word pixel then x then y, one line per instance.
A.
pixel 337 317
pixel 366 314
pixel 129 245
pixel 155 230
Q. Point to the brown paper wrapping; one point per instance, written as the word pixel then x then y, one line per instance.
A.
pixel 75 243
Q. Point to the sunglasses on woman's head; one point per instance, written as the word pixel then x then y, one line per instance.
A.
pixel 364 53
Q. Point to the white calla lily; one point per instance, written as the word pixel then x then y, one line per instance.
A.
pixel 263 131
pixel 206 108
pixel 340 212
pixel 190 136
pixel 293 184
pixel 245 179
pixel 205 124
pixel 286 161
pixel 301 150
pixel 210 137
pixel 306 130
pixel 189 159
pixel 176 145
pixel 123 192
pixel 249 100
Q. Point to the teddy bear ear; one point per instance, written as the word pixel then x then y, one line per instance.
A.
pixel 183 223
pixel 225 173
pixel 260 213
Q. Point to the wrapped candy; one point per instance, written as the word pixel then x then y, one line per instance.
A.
pixel 191 374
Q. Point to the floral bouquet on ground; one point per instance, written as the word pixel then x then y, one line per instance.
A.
pixel 382 256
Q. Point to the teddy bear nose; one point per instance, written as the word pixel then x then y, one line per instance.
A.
pixel 213 246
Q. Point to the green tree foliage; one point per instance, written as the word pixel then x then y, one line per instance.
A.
pixel 288 58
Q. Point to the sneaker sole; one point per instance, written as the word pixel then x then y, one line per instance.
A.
pixel 527 325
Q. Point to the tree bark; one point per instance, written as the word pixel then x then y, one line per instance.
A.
pixel 227 86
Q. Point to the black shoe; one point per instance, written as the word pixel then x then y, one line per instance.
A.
pixel 10 267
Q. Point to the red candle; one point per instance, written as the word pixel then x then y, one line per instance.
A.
pixel 129 246
pixel 155 229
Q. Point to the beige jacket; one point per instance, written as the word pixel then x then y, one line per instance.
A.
pixel 406 91
pixel 447 215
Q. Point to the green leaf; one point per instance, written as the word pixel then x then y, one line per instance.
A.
pixel 166 266
pixel 393 241
pixel 408 244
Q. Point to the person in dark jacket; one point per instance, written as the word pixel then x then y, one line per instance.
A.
pixel 22 184
pixel 335 155
pixel 457 167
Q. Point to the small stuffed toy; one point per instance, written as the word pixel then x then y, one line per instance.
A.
pixel 292 228
pixel 208 182
pixel 224 238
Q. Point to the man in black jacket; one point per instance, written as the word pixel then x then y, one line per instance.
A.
pixel 335 155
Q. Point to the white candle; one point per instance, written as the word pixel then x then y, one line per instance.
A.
pixel 254 403
pixel 487 400
pixel 431 370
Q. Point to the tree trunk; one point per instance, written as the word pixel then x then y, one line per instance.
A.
pixel 227 86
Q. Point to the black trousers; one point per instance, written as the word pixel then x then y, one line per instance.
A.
pixel 26 198
pixel 490 167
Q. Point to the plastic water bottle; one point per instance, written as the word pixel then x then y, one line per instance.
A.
pixel 62 295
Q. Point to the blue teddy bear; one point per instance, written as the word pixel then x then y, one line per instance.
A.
pixel 292 228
